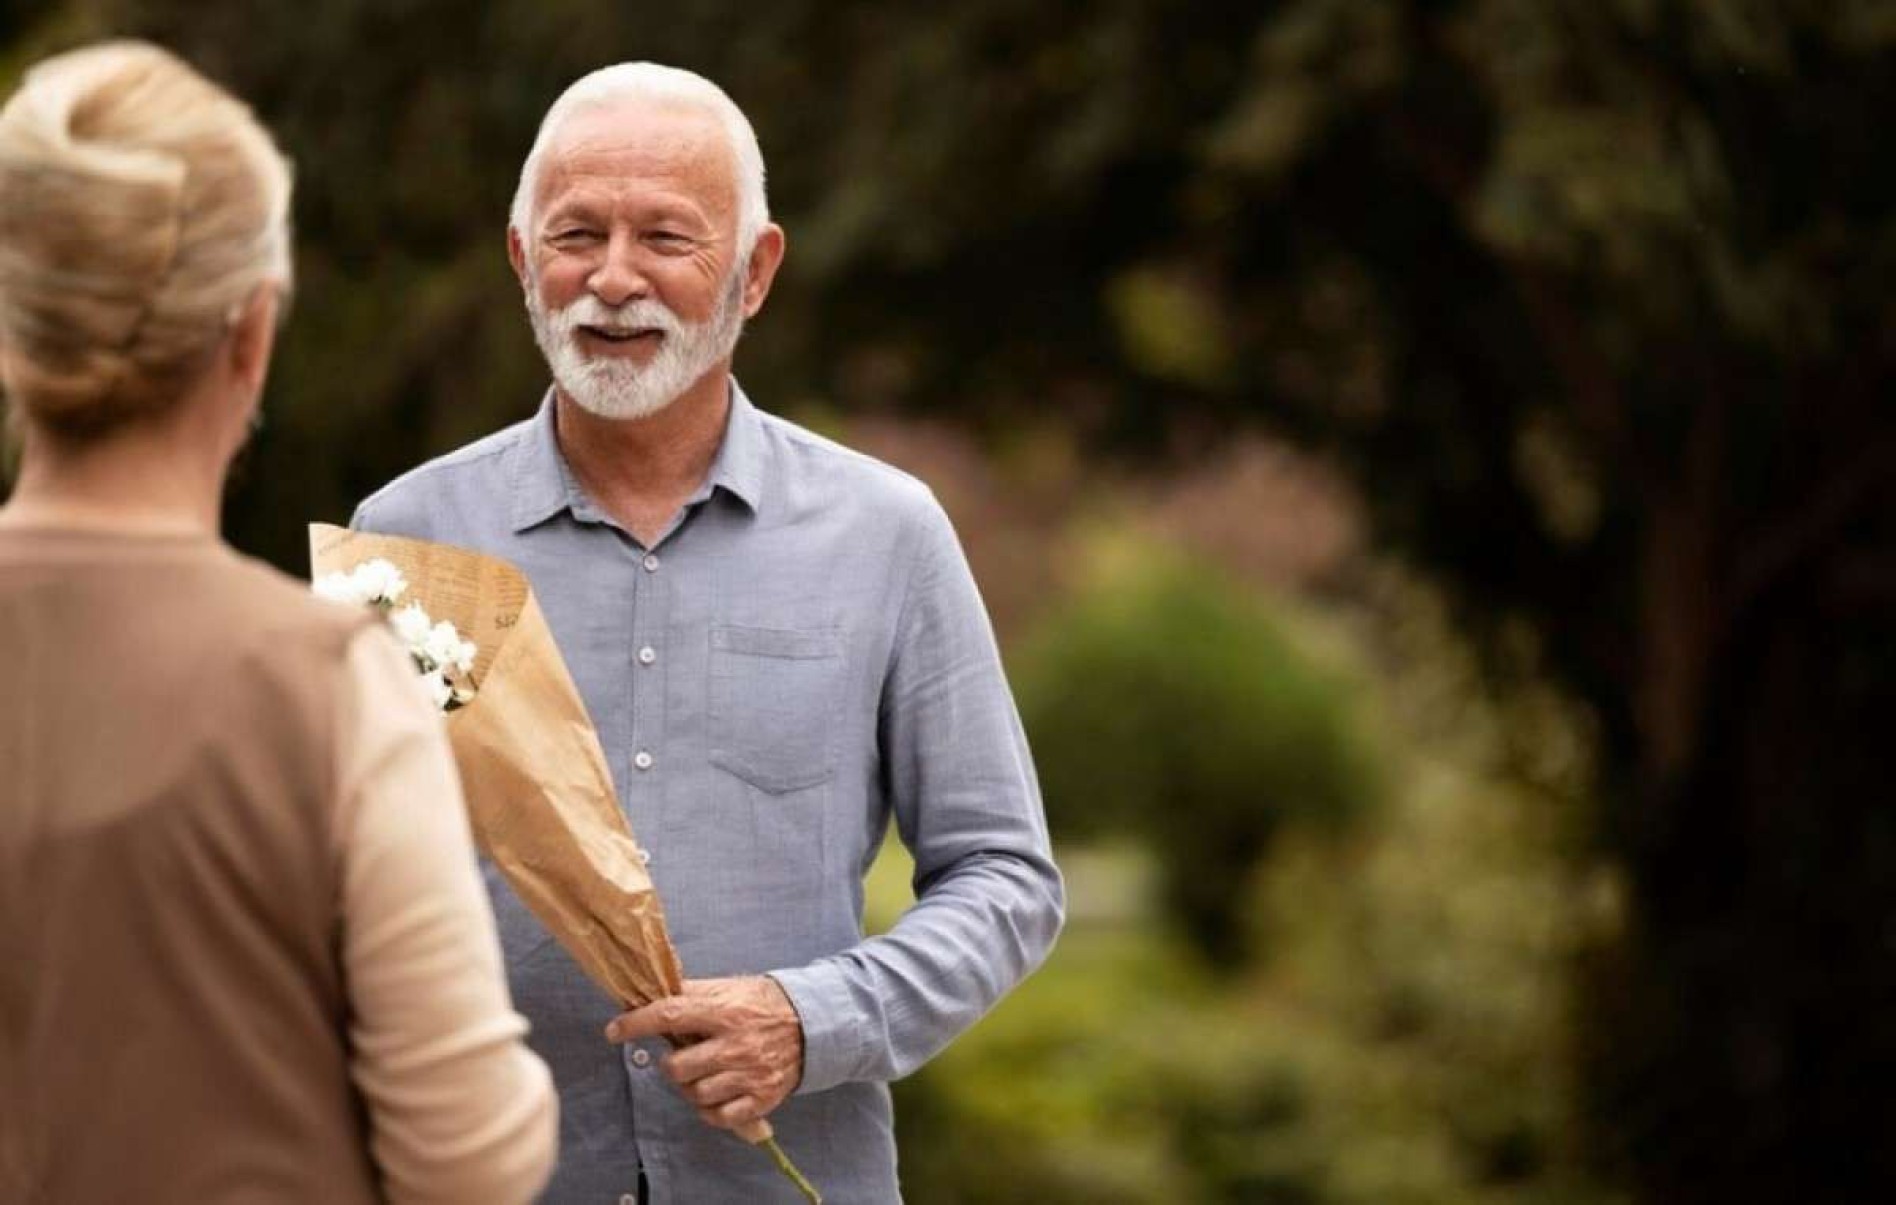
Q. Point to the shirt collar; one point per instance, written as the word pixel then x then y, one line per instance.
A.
pixel 544 485
pixel 739 467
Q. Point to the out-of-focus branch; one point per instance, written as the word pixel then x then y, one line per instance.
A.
pixel 1785 547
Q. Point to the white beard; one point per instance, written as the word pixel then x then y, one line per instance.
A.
pixel 616 388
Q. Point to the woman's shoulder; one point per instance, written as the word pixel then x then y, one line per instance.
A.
pixel 280 650
pixel 273 601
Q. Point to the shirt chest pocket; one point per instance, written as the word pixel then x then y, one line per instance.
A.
pixel 774 695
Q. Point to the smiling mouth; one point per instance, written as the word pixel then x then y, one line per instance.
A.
pixel 623 336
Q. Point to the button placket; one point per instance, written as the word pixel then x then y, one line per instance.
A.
pixel 645 742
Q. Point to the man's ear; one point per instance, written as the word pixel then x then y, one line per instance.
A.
pixel 766 257
pixel 517 256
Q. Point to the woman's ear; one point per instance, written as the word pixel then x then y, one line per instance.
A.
pixel 253 338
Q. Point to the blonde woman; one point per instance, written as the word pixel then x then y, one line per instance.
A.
pixel 244 951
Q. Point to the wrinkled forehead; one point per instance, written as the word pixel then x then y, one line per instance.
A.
pixel 678 147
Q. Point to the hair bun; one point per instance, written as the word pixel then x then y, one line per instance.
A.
pixel 113 268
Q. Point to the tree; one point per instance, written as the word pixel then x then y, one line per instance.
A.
pixel 1597 298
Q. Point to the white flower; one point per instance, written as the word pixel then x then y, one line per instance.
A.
pixel 435 648
pixel 372 582
pixel 443 646
pixel 339 587
pixel 412 626
pixel 380 582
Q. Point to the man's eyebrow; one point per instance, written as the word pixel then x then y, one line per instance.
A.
pixel 671 210
pixel 566 211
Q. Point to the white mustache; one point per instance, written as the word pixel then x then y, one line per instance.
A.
pixel 642 314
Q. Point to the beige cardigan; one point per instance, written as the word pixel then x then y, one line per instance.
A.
pixel 245 953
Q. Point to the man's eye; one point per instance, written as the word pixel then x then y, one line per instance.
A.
pixel 576 234
pixel 669 238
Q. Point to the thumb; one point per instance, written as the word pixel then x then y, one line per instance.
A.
pixel 672 1016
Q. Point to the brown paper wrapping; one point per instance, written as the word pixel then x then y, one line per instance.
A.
pixel 539 795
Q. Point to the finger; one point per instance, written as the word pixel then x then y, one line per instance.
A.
pixel 695 1062
pixel 674 1015
pixel 715 1090
pixel 732 1114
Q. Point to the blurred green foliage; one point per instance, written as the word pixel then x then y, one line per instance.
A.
pixel 1170 702
pixel 1402 1036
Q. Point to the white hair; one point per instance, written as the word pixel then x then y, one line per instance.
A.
pixel 656 84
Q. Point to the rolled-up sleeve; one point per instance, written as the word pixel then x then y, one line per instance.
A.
pixel 960 780
pixel 459 1109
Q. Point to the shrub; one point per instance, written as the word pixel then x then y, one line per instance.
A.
pixel 1169 702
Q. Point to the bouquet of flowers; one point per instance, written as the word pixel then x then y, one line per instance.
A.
pixel 441 657
pixel 539 796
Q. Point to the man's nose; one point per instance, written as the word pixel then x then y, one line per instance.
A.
pixel 618 279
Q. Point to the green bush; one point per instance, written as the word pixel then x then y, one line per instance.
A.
pixel 1408 1042
pixel 1169 702
pixel 1119 1076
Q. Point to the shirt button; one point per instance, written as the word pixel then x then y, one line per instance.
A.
pixel 647 655
pixel 626 1198
pixel 650 562
pixel 642 760
pixel 641 1059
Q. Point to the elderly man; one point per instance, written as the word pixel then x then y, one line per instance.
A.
pixel 782 648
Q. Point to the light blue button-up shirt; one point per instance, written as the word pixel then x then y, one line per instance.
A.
pixel 801 657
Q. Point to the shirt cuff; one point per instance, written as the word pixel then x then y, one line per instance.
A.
pixel 832 1034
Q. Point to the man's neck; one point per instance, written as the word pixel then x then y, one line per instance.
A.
pixel 641 471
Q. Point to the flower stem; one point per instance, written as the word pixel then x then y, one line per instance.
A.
pixel 789 1169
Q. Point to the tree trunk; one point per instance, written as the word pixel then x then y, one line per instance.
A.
pixel 1744 1032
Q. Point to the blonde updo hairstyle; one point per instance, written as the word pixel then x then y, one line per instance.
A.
pixel 141 206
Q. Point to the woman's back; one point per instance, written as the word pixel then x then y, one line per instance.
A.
pixel 170 874
pixel 245 953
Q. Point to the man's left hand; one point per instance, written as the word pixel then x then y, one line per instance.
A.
pixel 747 1051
